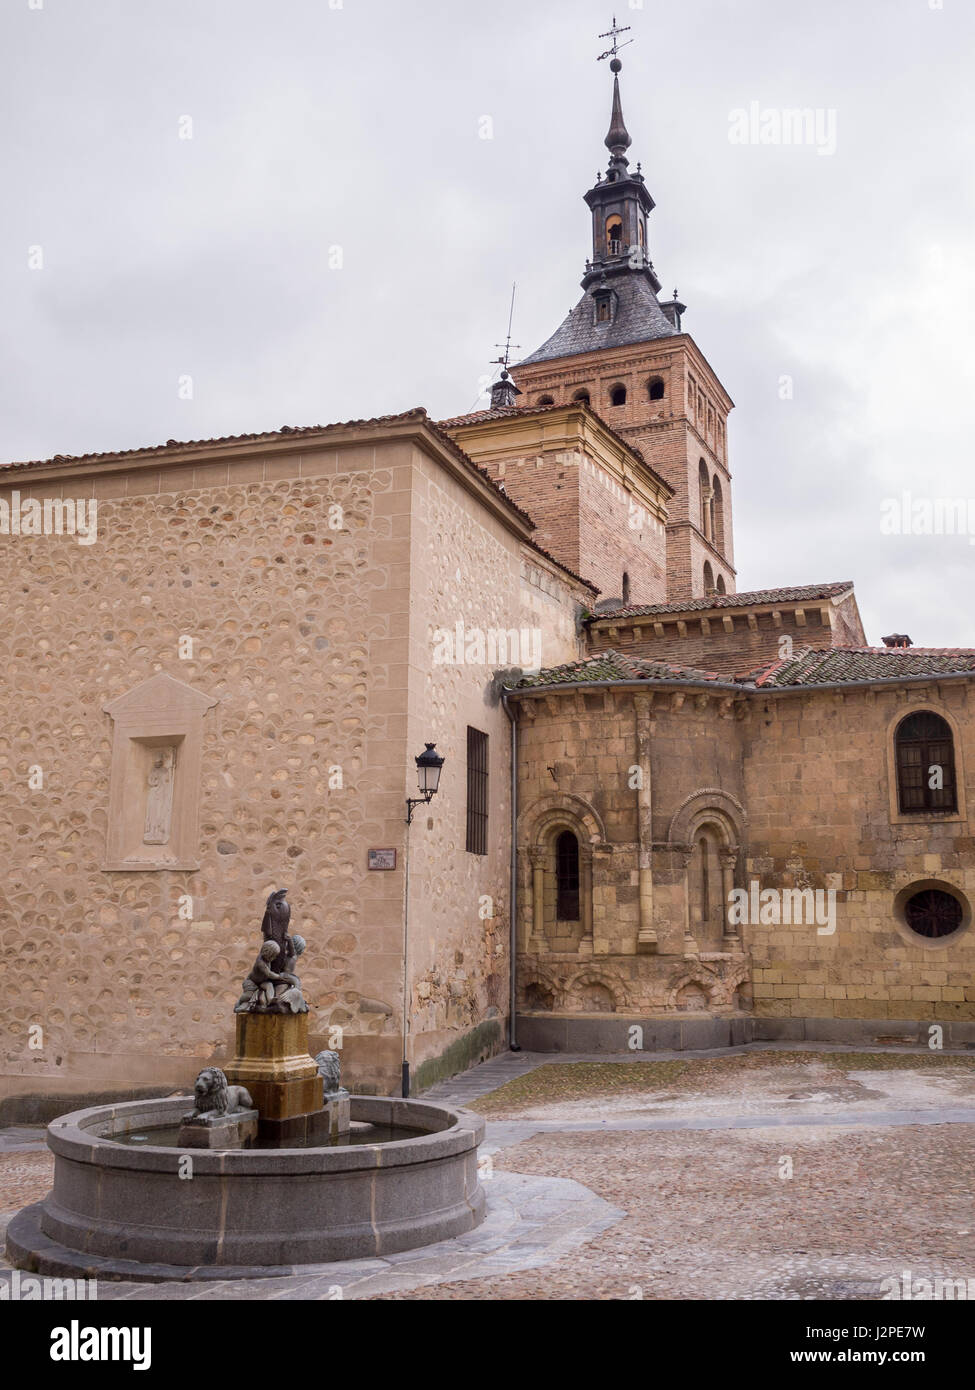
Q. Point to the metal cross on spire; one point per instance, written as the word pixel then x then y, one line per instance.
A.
pixel 614 34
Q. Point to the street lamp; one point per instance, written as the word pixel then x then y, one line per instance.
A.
pixel 428 766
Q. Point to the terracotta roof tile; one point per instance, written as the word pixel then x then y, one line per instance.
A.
pixel 835 664
pixel 480 417
pixel 615 666
pixel 418 413
pixel 746 600
pixel 810 667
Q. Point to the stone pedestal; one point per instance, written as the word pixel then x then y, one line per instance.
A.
pixel 273 1062
pixel 236 1131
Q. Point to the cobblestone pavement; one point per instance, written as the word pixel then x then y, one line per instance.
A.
pixel 531 1221
pixel 846 1180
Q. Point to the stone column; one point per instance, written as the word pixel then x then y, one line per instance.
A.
pixel 690 945
pixel 585 898
pixel 646 943
pixel 708 494
pixel 731 941
pixel 537 942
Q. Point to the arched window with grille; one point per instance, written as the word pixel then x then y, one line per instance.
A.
pixel 708 577
pixel 567 877
pixel 925 764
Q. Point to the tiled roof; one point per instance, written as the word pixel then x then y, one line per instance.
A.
pixel 500 412
pixel 418 413
pixel 614 666
pixel 809 667
pixel 480 417
pixel 638 319
pixel 754 598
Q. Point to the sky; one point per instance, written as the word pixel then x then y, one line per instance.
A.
pixel 223 216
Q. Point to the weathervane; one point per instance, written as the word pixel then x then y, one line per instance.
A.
pixel 507 344
pixel 614 34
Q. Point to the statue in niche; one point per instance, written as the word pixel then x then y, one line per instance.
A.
pixel 159 802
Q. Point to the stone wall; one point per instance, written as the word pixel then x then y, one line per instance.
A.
pixel 275 579
pixel 819 785
pixel 796 792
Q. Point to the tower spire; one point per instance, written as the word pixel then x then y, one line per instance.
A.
pixel 618 137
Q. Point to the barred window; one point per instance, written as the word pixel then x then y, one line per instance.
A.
pixel 477 791
pixel 567 877
pixel 925 764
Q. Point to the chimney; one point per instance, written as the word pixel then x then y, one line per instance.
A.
pixel 898 639
pixel 503 392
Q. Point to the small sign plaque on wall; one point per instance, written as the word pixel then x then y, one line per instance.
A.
pixel 382 859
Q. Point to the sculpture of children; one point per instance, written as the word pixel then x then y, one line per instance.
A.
pixel 259 987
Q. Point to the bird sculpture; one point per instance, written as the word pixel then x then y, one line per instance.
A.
pixel 277 915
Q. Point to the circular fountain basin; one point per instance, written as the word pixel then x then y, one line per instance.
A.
pixel 141 1210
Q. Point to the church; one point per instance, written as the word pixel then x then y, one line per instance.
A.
pixel 480 693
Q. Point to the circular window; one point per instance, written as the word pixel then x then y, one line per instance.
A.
pixel 932 911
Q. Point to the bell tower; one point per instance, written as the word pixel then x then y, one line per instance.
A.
pixel 626 353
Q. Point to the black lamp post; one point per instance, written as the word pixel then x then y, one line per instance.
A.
pixel 428 766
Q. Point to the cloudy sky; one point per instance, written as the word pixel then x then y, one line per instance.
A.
pixel 178 174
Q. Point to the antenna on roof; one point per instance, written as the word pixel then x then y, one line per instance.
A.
pixel 507 344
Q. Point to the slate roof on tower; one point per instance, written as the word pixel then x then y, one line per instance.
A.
pixel 620 304
pixel 638 318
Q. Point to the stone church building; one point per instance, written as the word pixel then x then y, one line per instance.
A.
pixel 670 814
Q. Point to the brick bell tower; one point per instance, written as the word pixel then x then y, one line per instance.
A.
pixel 626 353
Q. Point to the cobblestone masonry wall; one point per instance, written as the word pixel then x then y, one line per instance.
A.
pixel 322 671
pixel 290 636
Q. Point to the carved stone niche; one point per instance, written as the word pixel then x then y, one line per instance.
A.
pixel 154 794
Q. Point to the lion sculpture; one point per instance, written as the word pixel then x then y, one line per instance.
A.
pixel 215 1096
pixel 329 1069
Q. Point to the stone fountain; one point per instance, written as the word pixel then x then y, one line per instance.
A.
pixel 275 1167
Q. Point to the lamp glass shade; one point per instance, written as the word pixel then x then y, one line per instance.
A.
pixel 428 766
